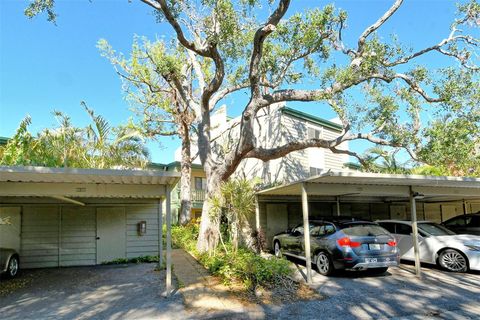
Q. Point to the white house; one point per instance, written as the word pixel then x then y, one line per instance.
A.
pixel 275 126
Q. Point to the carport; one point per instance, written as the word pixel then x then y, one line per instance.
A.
pixel 337 188
pixel 69 217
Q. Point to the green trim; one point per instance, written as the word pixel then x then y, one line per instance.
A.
pixel 171 166
pixel 4 140
pixel 311 118
pixel 352 165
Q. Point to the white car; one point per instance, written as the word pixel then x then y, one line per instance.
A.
pixel 437 245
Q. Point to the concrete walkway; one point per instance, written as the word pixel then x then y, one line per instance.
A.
pixel 205 296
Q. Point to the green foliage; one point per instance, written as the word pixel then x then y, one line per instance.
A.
pixel 35 7
pixel 452 145
pixel 241 265
pixel 141 259
pixel 96 146
pixel 235 203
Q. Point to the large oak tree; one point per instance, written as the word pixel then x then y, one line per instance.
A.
pixel 376 86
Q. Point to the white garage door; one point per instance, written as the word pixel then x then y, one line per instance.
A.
pixel 77 245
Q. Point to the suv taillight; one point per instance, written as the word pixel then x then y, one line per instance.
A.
pixel 392 243
pixel 346 242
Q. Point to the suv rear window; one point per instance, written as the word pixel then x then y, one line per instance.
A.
pixel 363 230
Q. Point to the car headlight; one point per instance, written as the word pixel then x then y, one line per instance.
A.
pixel 471 246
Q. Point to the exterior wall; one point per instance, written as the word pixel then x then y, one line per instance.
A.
pixel 370 211
pixel 274 127
pixel 55 234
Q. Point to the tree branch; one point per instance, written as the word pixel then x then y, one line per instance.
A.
pixel 162 6
pixel 376 25
pixel 260 35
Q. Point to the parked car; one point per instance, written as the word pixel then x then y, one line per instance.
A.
pixel 464 224
pixel 341 244
pixel 9 262
pixel 437 245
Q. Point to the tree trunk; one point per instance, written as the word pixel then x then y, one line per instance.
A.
pixel 209 226
pixel 185 180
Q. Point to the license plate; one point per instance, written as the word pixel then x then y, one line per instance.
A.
pixel 370 260
pixel 374 246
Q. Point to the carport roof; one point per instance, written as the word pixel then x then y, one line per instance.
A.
pixel 71 175
pixel 347 183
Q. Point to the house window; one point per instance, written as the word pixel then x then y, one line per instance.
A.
pixel 200 183
pixel 314 133
pixel 315 171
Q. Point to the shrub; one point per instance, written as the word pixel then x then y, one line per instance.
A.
pixel 142 259
pixel 242 265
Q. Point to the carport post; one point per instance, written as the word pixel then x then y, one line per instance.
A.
pixel 257 214
pixel 160 234
pixel 413 210
pixel 306 233
pixel 338 206
pixel 169 243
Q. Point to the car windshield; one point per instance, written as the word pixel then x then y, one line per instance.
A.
pixel 364 230
pixel 434 229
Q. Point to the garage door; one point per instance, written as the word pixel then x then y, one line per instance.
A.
pixel 55 236
pixel 77 241
pixel 39 246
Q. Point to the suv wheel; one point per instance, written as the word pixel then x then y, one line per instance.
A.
pixel 12 268
pixel 324 263
pixel 453 260
pixel 277 249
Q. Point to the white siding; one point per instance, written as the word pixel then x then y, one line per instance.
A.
pixel 39 240
pixel 65 235
pixel 78 243
pixel 148 243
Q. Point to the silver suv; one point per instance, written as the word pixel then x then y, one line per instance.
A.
pixel 9 262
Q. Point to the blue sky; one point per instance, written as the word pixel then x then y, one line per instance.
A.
pixel 44 67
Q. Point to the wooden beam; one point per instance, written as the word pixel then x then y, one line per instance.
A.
pixel 306 233
pixel 68 200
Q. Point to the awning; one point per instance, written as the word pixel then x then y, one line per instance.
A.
pixel 94 183
pixel 347 184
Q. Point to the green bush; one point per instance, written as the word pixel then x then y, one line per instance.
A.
pixel 243 265
pixel 142 259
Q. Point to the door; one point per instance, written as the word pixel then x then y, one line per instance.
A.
pixel 277 220
pixel 111 234
pixel 10 230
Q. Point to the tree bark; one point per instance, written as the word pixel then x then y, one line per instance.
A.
pixel 185 180
pixel 209 232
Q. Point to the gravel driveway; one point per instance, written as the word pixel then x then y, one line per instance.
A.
pixel 130 291
pixel 134 292
pixel 397 294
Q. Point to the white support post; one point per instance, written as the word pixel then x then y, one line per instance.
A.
pixel 338 206
pixel 413 210
pixel 257 214
pixel 160 233
pixel 306 233
pixel 169 242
